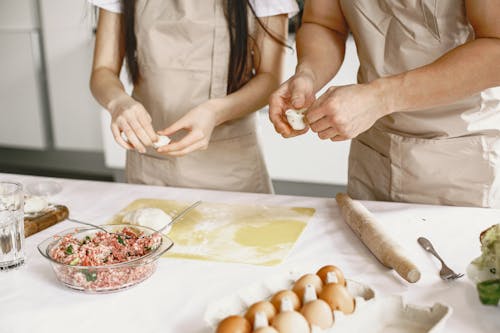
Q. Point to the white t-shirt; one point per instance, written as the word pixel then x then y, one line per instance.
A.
pixel 262 7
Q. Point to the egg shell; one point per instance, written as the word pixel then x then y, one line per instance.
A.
pixel 234 324
pixel 294 299
pixel 290 322
pixel 323 272
pixel 338 297
pixel 268 329
pixel 264 306
pixel 318 313
pixel 300 286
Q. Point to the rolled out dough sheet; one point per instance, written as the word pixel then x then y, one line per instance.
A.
pixel 250 234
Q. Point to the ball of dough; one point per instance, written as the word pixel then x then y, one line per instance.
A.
pixel 153 218
pixel 296 119
pixel 162 141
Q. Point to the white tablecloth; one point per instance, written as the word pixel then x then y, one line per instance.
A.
pixel 174 299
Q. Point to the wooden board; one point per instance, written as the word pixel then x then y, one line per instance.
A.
pixel 52 216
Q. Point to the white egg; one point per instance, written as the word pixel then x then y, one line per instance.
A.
pixel 153 218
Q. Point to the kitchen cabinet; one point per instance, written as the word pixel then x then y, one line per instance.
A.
pixel 68 43
pixel 22 119
pixel 46 60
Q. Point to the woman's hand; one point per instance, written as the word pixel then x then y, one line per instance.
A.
pixel 296 93
pixel 343 113
pixel 131 118
pixel 200 123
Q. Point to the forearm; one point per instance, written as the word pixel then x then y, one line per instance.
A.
pixel 459 73
pixel 320 52
pixel 107 88
pixel 250 98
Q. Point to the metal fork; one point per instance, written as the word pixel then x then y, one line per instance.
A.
pixel 446 272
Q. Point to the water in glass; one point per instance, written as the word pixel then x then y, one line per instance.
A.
pixel 11 225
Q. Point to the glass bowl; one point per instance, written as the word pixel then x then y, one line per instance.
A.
pixel 104 278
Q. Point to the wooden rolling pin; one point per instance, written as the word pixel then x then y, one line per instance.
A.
pixel 368 230
pixel 39 223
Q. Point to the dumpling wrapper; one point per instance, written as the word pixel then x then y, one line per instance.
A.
pixel 296 119
pixel 163 140
pixel 153 218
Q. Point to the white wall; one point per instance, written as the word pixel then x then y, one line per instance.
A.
pixel 302 159
pixel 308 158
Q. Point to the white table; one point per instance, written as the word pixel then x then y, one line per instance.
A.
pixel 175 297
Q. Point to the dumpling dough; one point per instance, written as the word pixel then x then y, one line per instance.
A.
pixel 296 119
pixel 162 141
pixel 35 204
pixel 153 218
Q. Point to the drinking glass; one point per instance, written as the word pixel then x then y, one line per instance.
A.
pixel 11 225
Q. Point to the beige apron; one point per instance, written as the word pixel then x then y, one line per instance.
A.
pixel 444 155
pixel 183 54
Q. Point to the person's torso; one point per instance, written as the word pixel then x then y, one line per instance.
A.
pixel 442 155
pixel 395 36
pixel 183 51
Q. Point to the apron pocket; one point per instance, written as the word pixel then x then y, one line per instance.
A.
pixel 452 171
pixel 369 173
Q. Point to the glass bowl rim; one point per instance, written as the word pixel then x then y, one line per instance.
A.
pixel 19 188
pixel 165 245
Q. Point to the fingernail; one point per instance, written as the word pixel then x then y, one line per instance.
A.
pixel 297 103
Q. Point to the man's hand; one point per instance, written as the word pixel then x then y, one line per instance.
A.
pixel 296 93
pixel 343 113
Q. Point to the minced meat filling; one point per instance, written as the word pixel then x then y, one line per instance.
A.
pixel 104 248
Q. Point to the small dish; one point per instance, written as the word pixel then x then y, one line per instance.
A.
pixel 43 188
pixel 104 278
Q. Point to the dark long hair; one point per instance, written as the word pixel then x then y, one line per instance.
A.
pixel 241 42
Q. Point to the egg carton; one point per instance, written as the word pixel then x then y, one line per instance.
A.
pixel 372 314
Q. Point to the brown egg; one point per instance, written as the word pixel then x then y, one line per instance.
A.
pixel 265 306
pixel 234 324
pixel 276 300
pixel 323 271
pixel 337 296
pixel 268 329
pixel 290 322
pixel 318 313
pixel 300 286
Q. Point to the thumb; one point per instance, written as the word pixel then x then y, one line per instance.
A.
pixel 175 127
pixel 300 92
